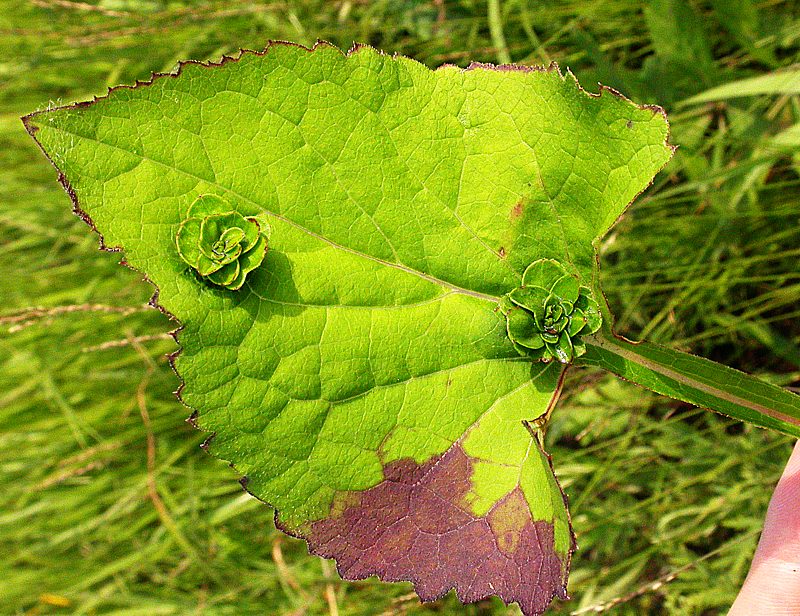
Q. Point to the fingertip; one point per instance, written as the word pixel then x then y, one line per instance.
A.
pixel 772 586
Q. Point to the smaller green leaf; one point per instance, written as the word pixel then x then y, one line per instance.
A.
pixel 561 324
pixel 231 237
pixel 522 329
pixel 549 337
pixel 564 351
pixel 566 288
pixel 213 228
pixel 206 266
pixel 188 241
pixel 542 273
pixel 207 205
pixel 591 310
pixel 553 309
pixel 226 275
pixel 532 298
pixel 577 322
pixel 252 232
pixel 253 257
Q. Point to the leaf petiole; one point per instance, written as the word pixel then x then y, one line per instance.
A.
pixel 695 380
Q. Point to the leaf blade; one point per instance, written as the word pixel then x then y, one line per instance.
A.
pixel 363 294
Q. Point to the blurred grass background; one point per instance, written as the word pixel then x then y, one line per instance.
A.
pixel 107 503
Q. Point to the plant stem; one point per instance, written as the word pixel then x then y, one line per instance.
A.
pixel 496 31
pixel 697 381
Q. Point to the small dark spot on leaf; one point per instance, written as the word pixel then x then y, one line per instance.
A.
pixel 517 210
pixel 502 252
pixel 629 124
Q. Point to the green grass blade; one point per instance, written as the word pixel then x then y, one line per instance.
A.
pixel 781 82
pixel 698 381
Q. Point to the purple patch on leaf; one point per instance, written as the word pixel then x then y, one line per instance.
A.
pixel 416 526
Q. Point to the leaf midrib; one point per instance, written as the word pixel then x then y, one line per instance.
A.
pixel 399 306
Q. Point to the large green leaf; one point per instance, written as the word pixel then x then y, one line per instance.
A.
pixel 362 378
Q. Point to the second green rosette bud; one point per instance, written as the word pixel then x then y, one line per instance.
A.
pixel 549 314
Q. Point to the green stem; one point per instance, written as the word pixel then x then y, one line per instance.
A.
pixel 496 31
pixel 697 381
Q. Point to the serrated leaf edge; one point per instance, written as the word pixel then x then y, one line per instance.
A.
pixel 356 47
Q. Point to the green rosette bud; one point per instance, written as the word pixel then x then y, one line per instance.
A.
pixel 549 314
pixel 219 243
